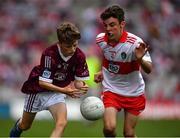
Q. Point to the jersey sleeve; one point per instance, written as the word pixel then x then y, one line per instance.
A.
pixel 81 71
pixel 46 68
pixel 101 40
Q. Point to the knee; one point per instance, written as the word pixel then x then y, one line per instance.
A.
pixel 109 130
pixel 61 124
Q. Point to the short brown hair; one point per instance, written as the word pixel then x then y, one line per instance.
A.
pixel 113 11
pixel 68 33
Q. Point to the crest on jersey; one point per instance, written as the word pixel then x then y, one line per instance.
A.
pixel 46 74
pixel 60 76
pixel 123 55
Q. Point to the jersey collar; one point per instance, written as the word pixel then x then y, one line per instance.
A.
pixel 123 37
pixel 62 56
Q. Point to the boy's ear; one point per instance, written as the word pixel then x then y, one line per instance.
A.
pixel 122 24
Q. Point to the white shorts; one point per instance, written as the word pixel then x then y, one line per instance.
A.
pixel 41 101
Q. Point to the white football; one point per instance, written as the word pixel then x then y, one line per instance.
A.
pixel 92 108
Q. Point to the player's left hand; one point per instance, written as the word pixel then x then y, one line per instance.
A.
pixel 82 87
pixel 83 90
pixel 141 50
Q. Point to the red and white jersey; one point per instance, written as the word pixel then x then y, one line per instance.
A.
pixel 121 71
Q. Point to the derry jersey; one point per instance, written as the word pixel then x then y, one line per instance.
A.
pixel 121 71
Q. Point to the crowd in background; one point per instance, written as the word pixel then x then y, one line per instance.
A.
pixel 29 26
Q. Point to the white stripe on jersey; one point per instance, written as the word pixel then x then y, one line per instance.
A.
pixel 47 62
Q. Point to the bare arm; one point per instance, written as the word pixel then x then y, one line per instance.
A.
pixel 146 66
pixel 72 92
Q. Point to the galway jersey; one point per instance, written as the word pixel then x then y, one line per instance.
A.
pixel 121 71
pixel 56 69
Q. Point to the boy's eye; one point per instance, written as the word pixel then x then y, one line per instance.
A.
pixel 74 45
pixel 112 24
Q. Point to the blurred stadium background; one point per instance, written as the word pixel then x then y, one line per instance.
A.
pixel 28 26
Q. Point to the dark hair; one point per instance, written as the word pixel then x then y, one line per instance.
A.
pixel 113 11
pixel 68 33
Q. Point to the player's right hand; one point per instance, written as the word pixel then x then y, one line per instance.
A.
pixel 98 77
pixel 78 94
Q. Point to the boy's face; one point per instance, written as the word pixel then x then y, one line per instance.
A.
pixel 68 49
pixel 113 28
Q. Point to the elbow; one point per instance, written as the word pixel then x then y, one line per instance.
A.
pixel 42 84
pixel 149 70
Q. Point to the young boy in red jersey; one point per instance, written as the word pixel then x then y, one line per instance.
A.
pixel 48 84
pixel 123 86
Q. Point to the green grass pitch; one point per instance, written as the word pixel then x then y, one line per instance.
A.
pixel 145 128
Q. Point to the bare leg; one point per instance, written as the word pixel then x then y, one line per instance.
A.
pixel 59 113
pixel 22 124
pixel 26 120
pixel 110 118
pixel 130 122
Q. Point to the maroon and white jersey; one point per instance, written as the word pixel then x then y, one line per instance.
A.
pixel 56 69
pixel 120 68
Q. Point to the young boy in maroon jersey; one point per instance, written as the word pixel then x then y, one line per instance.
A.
pixel 50 82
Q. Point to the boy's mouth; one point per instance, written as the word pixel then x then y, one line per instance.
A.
pixel 110 34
